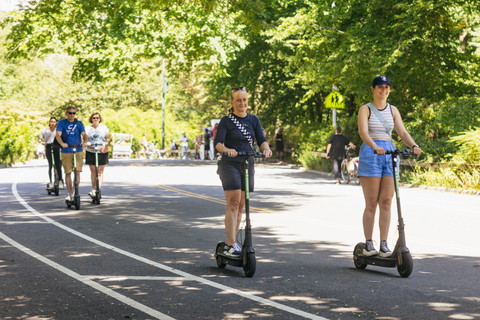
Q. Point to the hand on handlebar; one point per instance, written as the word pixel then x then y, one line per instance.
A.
pixel 379 151
pixel 267 153
pixel 231 153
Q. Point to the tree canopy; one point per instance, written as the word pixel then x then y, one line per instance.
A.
pixel 288 53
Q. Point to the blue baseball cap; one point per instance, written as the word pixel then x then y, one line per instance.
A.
pixel 378 81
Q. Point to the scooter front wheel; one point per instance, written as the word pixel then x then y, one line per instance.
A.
pixel 98 196
pixel 356 252
pixel 249 264
pixel 77 202
pixel 57 190
pixel 220 249
pixel 405 264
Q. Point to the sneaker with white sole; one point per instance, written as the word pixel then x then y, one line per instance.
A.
pixel 60 185
pixel 69 197
pixel 369 249
pixel 384 251
pixel 233 250
pixel 92 193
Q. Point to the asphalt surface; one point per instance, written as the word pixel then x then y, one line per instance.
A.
pixel 146 252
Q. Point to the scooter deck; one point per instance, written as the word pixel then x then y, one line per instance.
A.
pixel 234 261
pixel 390 262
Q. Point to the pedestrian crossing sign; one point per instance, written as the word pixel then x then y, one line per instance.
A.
pixel 334 100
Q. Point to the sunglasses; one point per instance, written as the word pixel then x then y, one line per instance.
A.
pixel 71 112
pixel 242 88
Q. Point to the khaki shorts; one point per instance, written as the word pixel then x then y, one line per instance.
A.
pixel 67 161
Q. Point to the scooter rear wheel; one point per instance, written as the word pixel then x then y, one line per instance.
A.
pixel 220 249
pixel 356 252
pixel 249 264
pixel 57 190
pixel 406 267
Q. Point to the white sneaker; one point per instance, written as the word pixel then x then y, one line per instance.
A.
pixel 92 193
pixel 50 185
pixel 369 249
pixel 69 197
pixel 60 185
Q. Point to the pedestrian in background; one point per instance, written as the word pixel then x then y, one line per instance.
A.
pixel 278 138
pixel 336 151
pixel 184 146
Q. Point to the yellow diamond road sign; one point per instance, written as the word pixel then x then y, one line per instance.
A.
pixel 334 100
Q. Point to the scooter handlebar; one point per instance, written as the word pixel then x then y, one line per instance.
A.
pixel 406 152
pixel 248 154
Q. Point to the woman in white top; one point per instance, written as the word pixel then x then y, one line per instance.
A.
pixel 97 134
pixel 46 138
pixel 375 170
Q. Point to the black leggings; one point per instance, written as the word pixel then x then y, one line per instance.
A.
pixel 58 162
pixel 337 167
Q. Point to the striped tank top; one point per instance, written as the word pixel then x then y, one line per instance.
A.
pixel 376 130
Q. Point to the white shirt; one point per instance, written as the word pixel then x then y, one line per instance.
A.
pixel 96 135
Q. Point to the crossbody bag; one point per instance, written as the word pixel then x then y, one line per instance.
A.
pixel 242 129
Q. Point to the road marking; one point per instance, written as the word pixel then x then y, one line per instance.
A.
pixel 88 282
pixel 223 288
pixel 211 199
pixel 121 278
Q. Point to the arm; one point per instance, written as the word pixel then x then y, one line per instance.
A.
pixel 59 139
pixel 352 145
pixel 106 143
pixel 403 133
pixel 363 130
pixel 267 153
pixel 328 150
pixel 85 139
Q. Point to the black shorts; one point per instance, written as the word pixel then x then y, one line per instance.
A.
pixel 232 177
pixel 207 147
pixel 90 158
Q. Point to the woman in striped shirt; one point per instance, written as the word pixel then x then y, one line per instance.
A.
pixel 375 170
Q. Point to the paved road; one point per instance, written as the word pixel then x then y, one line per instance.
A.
pixel 146 252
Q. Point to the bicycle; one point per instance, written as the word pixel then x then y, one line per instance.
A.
pixel 349 168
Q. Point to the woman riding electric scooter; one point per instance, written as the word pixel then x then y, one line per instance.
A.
pixel 376 121
pixel 97 152
pixel 236 133
pixel 47 137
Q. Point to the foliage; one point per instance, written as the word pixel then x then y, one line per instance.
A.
pixel 17 142
pixel 466 178
pixel 469 146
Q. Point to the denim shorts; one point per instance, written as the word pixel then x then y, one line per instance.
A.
pixel 232 177
pixel 372 165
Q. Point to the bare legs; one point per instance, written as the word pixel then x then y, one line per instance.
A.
pixel 68 181
pixel 377 192
pixel 93 176
pixel 233 215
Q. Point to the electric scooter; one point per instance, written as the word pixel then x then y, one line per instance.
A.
pixel 76 197
pixel 55 188
pixel 98 194
pixel 246 259
pixel 401 257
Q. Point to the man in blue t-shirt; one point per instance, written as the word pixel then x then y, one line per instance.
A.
pixel 70 132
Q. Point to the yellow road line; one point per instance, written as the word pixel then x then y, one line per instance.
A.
pixel 211 199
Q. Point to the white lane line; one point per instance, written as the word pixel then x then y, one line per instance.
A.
pixel 122 278
pixel 219 286
pixel 88 282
